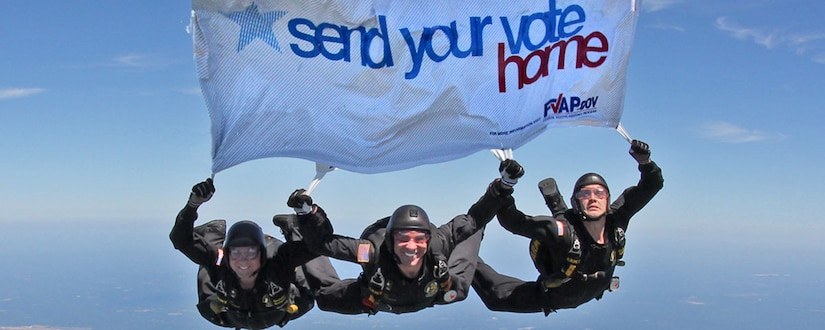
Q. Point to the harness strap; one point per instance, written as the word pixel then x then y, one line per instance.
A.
pixel 441 271
pixel 568 267
pixel 571 260
pixel 619 241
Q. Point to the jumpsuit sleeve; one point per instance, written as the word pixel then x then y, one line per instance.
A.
pixel 634 198
pixel 480 213
pixel 319 237
pixel 183 238
pixel 294 254
pixel 544 228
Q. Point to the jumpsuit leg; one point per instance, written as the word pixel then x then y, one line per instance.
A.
pixel 505 293
pixel 211 233
pixel 316 273
pixel 206 296
pixel 462 263
pixel 342 297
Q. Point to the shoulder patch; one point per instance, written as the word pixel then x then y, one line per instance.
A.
pixel 431 289
pixel 220 257
pixel 363 252
pixel 535 245
pixel 560 227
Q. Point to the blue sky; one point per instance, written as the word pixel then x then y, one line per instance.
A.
pixel 101 119
pixel 101 115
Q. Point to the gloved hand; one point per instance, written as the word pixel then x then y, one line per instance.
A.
pixel 640 151
pixel 201 193
pixel 300 202
pixel 510 171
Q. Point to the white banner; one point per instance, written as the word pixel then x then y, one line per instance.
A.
pixel 377 86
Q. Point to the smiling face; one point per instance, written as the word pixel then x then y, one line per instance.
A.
pixel 410 247
pixel 245 261
pixel 593 199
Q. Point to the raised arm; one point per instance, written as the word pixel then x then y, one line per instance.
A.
pixel 498 194
pixel 318 233
pixel 544 228
pixel 634 198
pixel 182 234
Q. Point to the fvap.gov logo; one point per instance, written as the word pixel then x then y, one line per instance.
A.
pixel 569 106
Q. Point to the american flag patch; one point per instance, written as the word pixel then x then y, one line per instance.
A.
pixel 220 257
pixel 560 227
pixel 364 252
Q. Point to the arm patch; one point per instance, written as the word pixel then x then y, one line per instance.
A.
pixel 560 228
pixel 363 252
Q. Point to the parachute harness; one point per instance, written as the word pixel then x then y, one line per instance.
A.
pixel 376 283
pixel 567 269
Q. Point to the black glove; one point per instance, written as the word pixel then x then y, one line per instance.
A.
pixel 300 202
pixel 640 151
pixel 510 171
pixel 201 193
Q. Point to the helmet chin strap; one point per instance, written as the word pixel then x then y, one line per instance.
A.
pixel 580 211
pixel 587 218
pixel 577 205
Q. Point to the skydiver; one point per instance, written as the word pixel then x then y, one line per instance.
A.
pixel 249 279
pixel 407 261
pixel 577 250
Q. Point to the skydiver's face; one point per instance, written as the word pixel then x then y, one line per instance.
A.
pixel 594 200
pixel 410 246
pixel 245 261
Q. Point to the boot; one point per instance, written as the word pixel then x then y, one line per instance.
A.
pixel 289 226
pixel 552 197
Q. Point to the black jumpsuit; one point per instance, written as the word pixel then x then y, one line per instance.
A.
pixel 221 299
pixel 504 293
pixel 401 294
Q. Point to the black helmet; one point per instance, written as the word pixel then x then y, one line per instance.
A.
pixel 245 233
pixel 584 180
pixel 589 178
pixel 407 217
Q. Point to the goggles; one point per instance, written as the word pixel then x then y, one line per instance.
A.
pixel 244 253
pixel 586 193
pixel 406 236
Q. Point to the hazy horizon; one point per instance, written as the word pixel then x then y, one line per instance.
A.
pixel 127 275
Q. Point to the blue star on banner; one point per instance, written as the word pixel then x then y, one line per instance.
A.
pixel 255 24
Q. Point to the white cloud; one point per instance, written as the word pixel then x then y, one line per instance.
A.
pixel 729 133
pixel 191 91
pixel 693 301
pixel 806 38
pixel 657 5
pixel 811 45
pixel 128 61
pixel 767 39
pixel 663 26
pixel 11 93
pixel 771 275
pixel 135 60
